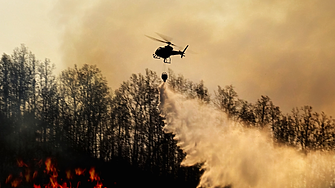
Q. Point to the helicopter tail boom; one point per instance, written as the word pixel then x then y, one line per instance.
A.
pixel 183 52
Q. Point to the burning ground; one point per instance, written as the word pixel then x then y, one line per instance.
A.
pixel 45 174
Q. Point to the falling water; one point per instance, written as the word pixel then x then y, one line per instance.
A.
pixel 238 156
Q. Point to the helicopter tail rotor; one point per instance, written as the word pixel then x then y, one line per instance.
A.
pixel 183 52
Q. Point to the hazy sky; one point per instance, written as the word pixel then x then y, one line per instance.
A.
pixel 280 48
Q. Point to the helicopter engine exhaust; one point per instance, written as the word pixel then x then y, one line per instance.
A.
pixel 164 76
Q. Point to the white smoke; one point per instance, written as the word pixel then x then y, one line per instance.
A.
pixel 238 156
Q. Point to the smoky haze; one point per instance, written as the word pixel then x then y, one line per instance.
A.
pixel 283 49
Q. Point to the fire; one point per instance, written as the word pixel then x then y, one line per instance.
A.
pixel 9 178
pixel 20 163
pixel 99 185
pixel 48 165
pixel 68 174
pixel 52 177
pixel 79 171
pixel 93 175
pixel 27 175
pixel 34 174
pixel 16 182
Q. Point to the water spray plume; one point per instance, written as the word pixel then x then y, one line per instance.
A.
pixel 236 156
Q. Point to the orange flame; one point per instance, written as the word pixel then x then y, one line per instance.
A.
pixel 93 176
pixel 28 175
pixel 79 171
pixel 20 163
pixel 16 182
pixel 35 174
pixel 48 165
pixel 99 185
pixel 9 178
pixel 68 174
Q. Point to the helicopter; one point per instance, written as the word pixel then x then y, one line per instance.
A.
pixel 166 51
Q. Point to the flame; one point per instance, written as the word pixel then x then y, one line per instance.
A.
pixel 68 174
pixel 35 174
pixel 99 185
pixel 16 182
pixel 10 176
pixel 79 171
pixel 20 163
pixel 48 165
pixel 93 176
pixel 29 176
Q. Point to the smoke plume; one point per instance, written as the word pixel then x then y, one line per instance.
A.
pixel 235 155
pixel 282 49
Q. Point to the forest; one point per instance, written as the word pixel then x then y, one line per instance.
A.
pixel 75 120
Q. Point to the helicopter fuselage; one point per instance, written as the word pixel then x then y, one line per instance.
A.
pixel 166 52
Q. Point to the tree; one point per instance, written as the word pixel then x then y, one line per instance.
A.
pixel 48 131
pixel 18 97
pixel 84 106
pixel 325 133
pixel 284 131
pixel 246 114
pixel 18 104
pixel 6 64
pixel 306 129
pixel 265 112
pixel 226 100
pixel 314 131
pixel 187 88
pixel 137 117
pixel 201 92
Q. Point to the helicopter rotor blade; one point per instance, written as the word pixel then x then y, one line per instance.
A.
pixel 166 38
pixel 155 39
pixel 167 42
